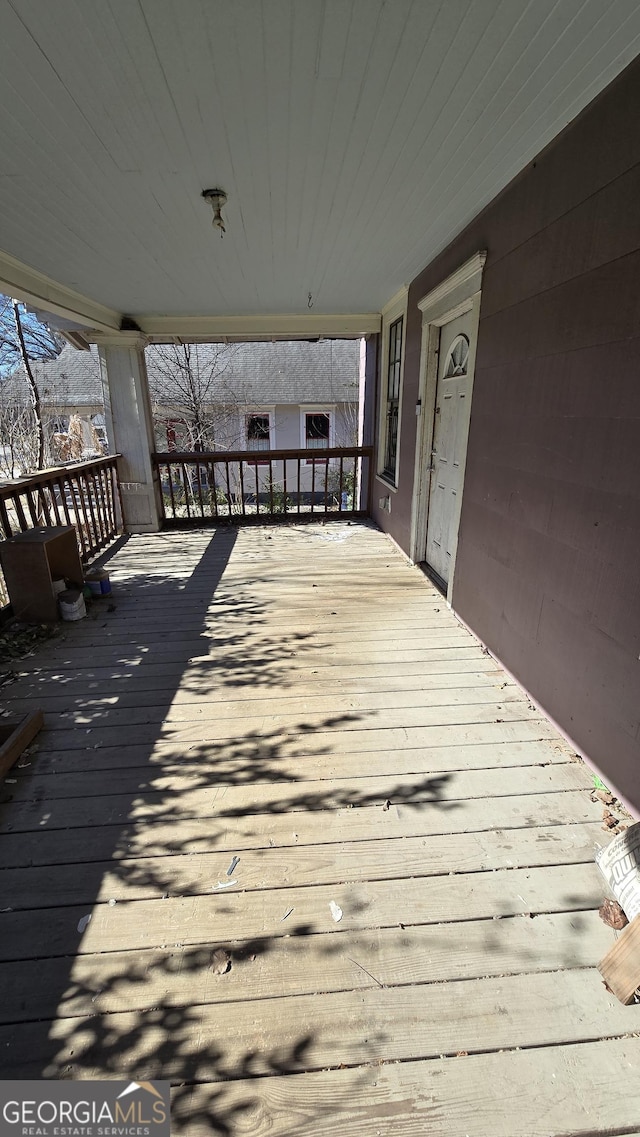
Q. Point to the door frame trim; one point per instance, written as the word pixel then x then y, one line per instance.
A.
pixel 459 293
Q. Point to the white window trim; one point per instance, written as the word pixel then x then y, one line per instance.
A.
pixel 317 409
pixel 391 312
pixel 459 293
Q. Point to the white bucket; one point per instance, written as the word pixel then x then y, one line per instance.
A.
pixel 72 606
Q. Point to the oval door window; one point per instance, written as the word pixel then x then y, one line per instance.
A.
pixel 457 358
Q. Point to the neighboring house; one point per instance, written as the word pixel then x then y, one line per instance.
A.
pixel 258 397
pixel 255 396
pixel 69 387
pixel 248 396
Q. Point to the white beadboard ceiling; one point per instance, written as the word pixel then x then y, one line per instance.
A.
pixel 354 138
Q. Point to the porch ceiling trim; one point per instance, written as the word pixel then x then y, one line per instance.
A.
pixel 306 326
pixel 33 287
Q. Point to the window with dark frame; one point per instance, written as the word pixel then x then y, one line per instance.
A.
pixel 393 398
pixel 258 433
pixel 316 433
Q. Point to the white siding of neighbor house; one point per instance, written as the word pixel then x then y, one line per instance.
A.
pixel 287 433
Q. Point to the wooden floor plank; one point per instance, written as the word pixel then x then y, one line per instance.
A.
pixel 127 693
pixel 391 859
pixel 200 644
pixel 94 678
pixel 377 705
pixel 589 1090
pixel 75 771
pixel 203 795
pixel 150 629
pixel 345 1028
pixel 314 744
pixel 230 914
pixel 268 968
pixel 364 730
pixel 267 830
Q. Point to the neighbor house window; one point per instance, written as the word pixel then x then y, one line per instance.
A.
pixel 317 426
pixel 394 361
pixel 259 433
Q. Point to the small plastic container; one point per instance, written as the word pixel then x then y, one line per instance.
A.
pixel 72 605
pixel 99 582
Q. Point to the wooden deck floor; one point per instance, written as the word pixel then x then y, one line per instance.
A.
pixel 301 699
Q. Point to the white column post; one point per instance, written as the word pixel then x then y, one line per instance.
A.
pixel 130 428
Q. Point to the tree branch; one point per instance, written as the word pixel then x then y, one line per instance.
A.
pixel 33 386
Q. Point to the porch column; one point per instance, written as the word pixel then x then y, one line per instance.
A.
pixel 130 428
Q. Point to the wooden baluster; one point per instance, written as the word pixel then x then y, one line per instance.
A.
pixel 106 497
pixel 63 498
pixel 214 491
pixel 78 523
pixel 85 513
pixel 53 501
pixel 85 481
pixel 228 486
pixel 17 503
pixel 198 475
pixel 87 497
pixel 44 505
pixel 313 482
pixel 35 520
pixel 341 483
pixel 284 484
pixel 187 489
pixel 255 470
pixel 241 472
pixel 271 487
pixel 100 505
pixel 299 486
pixel 173 504
pixel 4 520
pixel 110 482
pixel 107 484
pixel 326 486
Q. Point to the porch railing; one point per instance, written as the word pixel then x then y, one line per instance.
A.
pixel 83 494
pixel 244 486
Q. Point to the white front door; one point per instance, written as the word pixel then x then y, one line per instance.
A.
pixel 449 443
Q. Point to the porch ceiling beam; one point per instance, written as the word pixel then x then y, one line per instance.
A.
pixel 309 325
pixel 34 288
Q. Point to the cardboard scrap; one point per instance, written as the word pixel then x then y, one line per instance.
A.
pixel 620 967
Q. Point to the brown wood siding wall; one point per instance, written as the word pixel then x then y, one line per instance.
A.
pixel 548 568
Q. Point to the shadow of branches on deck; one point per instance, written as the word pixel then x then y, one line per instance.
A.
pixel 119 806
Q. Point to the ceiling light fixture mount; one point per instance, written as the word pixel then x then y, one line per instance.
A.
pixel 217 198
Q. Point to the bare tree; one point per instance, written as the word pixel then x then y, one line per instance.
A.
pixel 34 393
pixel 18 440
pixel 23 338
pixel 185 381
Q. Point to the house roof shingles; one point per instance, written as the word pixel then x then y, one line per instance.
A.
pixel 252 373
